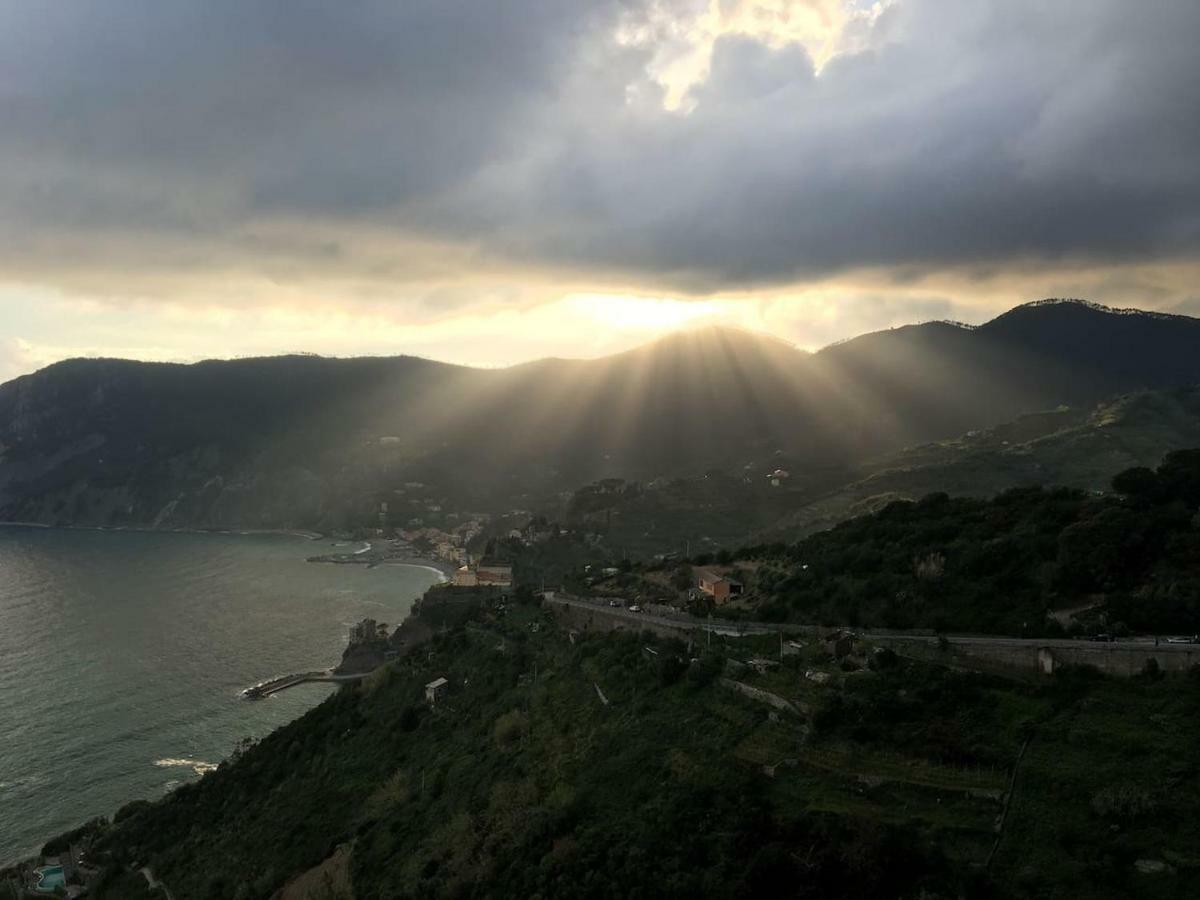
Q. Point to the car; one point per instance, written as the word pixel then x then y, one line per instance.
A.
pixel 635 608
pixel 1103 638
pixel 614 602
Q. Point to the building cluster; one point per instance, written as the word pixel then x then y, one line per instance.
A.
pixel 486 572
pixel 450 546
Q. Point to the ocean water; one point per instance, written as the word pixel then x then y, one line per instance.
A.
pixel 122 655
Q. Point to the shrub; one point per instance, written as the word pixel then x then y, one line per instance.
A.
pixel 509 728
pixel 1125 801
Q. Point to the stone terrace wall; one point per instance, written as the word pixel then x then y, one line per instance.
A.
pixel 1122 659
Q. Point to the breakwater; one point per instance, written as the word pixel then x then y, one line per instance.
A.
pixel 283 682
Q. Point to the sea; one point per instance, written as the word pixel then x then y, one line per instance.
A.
pixel 123 654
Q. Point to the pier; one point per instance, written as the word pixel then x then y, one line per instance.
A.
pixel 283 682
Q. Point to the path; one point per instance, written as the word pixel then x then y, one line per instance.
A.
pixel 154 882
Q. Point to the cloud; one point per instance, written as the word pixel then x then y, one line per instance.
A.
pixel 383 150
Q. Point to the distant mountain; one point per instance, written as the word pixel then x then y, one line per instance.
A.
pixel 940 379
pixel 1068 447
pixel 303 441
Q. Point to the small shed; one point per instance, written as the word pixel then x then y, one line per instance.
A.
pixel 436 690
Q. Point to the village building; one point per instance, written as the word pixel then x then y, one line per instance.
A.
pixel 491 572
pixel 436 690
pixel 720 587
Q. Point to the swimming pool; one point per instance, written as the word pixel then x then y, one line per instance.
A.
pixel 49 878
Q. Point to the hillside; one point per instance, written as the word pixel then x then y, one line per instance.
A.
pixel 946 379
pixel 307 442
pixel 607 765
pixel 1129 559
pixel 1070 447
pixel 1075 447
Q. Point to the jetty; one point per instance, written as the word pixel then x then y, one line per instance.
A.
pixel 283 682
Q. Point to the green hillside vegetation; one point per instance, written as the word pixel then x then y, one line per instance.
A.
pixel 611 766
pixel 1077 447
pixel 716 509
pixel 1002 565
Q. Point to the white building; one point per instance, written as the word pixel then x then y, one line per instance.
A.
pixel 436 690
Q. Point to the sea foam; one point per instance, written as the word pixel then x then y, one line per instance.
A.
pixel 199 766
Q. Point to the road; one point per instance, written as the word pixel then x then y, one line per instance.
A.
pixel 154 882
pixel 682 620
pixel 1140 642
pixel 738 629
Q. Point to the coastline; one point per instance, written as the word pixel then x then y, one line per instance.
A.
pixel 444 570
pixel 440 571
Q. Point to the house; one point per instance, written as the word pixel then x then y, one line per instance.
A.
pixel 436 690
pixel 720 587
pixel 464 577
pixel 491 572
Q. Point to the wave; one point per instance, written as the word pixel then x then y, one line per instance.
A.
pixel 199 766
pixel 411 564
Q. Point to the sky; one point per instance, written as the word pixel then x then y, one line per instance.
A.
pixel 486 183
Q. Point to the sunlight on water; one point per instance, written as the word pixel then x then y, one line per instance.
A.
pixel 122 656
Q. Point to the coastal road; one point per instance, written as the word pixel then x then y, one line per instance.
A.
pixel 682 620
pixel 737 629
pixel 1140 642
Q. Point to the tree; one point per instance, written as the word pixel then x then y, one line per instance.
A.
pixel 1179 477
pixel 1138 482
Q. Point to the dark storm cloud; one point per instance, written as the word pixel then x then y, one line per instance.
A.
pixel 955 133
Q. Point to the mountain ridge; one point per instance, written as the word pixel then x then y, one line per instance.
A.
pixel 715 327
pixel 317 442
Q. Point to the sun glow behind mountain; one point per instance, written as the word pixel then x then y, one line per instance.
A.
pixel 488 184
pixel 644 314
